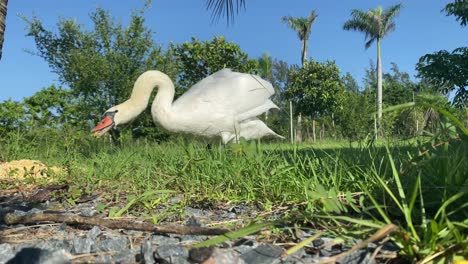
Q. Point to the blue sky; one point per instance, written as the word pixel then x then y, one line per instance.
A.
pixel 421 28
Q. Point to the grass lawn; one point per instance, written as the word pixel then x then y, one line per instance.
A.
pixel 349 189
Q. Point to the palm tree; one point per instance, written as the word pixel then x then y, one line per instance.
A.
pixel 224 8
pixel 375 24
pixel 3 13
pixel 302 26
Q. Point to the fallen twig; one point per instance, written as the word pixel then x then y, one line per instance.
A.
pixel 11 218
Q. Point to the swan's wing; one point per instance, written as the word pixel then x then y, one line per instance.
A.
pixel 226 92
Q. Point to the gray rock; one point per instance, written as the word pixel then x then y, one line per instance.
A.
pixel 225 256
pixel 19 213
pixel 243 249
pixel 310 259
pixel 104 259
pixel 40 256
pixel 167 252
pixel 190 211
pixel 6 253
pixel 93 233
pixel 193 221
pixel 357 257
pixel 164 240
pixel 113 244
pixel 263 254
pixel 56 245
pixel 199 255
pixel 125 256
pixel 88 212
pixel 147 252
pixel 83 245
pixel 194 238
pixel 35 211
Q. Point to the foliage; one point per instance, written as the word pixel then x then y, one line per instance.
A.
pixel 197 59
pixel 224 7
pixel 375 23
pixel 11 116
pixel 449 71
pixel 316 89
pixel 99 65
pixel 350 83
pixel 51 107
pixel 458 8
pixel 354 119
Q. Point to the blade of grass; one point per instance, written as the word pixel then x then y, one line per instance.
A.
pixel 301 244
pixel 234 234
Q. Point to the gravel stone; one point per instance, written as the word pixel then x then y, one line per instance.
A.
pixel 83 245
pixel 40 256
pixel 193 221
pixel 357 257
pixel 88 212
pixel 166 252
pixel 164 240
pixel 94 233
pixel 199 255
pixel 56 245
pixel 193 238
pixel 263 254
pixel 115 243
pixel 198 213
pixel 6 252
pixel 225 256
pixel 147 252
pixel 125 256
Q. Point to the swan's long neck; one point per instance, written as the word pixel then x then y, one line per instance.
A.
pixel 141 93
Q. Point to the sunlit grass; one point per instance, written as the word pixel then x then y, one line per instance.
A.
pixel 350 189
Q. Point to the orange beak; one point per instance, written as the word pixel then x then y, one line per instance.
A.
pixel 105 125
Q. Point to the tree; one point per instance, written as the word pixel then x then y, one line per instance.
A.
pixel 317 88
pixel 11 116
pixel 265 67
pixel 101 65
pixel 224 7
pixel 354 118
pixel 449 70
pixel 459 8
pixel 303 27
pixel 196 59
pixel 51 107
pixel 375 24
pixel 350 83
pixel 3 14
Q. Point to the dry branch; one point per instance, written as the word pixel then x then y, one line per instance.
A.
pixel 11 218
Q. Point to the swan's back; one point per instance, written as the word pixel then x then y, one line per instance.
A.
pixel 226 92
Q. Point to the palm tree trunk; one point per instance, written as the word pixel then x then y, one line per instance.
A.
pixel 379 83
pixel 304 52
pixel 3 14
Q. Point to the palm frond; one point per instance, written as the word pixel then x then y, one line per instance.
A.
pixel 225 8
pixel 388 17
pixel 375 23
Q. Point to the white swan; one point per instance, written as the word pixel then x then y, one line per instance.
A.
pixel 224 104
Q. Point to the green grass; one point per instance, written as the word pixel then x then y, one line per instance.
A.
pixel 350 189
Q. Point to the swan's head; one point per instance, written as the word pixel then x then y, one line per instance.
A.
pixel 117 115
pixel 108 121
